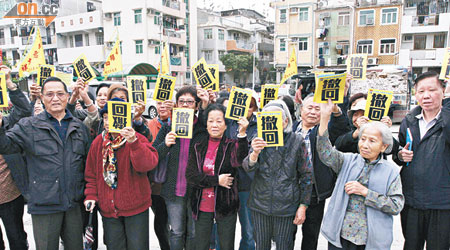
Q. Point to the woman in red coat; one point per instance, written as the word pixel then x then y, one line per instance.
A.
pixel 116 176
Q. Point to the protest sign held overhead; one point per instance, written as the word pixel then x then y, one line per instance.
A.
pixel 291 68
pixel 34 57
pixel 445 69
pixel 3 91
pixel 357 66
pixel 202 74
pixel 378 103
pixel 269 92
pixel 137 88
pixel 119 116
pixel 113 63
pixel 239 103
pixel 164 88
pixel 270 127
pixel 214 69
pixel 84 69
pixel 330 87
pixel 183 122
pixel 45 71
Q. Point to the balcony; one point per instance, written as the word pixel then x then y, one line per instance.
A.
pixel 174 8
pixel 69 55
pixel 425 24
pixel 10 43
pixel 178 63
pixel 263 46
pixel 79 22
pixel 175 37
pixel 422 58
pixel 236 46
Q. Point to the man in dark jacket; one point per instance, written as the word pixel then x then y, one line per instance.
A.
pixel 426 167
pixel 12 181
pixel 55 145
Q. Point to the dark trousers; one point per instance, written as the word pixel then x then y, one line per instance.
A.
pixel 48 227
pixel 311 226
pixel 430 226
pixel 11 214
pixel 280 229
pixel 161 224
pixel 346 245
pixel 127 233
pixel 226 228
pixel 85 215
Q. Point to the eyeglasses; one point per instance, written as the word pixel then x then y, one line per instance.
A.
pixel 50 95
pixel 183 102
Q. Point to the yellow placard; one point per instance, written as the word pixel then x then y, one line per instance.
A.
pixel 330 87
pixel 357 66
pixel 269 92
pixel 64 73
pixel 114 61
pixel 3 91
pixel 45 71
pixel 378 103
pixel 239 103
pixel 84 69
pixel 164 88
pixel 119 116
pixel 183 122
pixel 202 75
pixel 214 69
pixel 34 57
pixel 270 127
pixel 445 69
pixel 137 88
pixel 291 68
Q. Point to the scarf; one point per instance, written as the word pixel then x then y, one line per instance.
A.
pixel 109 148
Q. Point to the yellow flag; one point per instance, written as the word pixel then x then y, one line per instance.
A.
pixel 35 56
pixel 330 87
pixel 84 69
pixel 183 122
pixel 239 103
pixel 45 71
pixel 378 103
pixel 137 88
pixel 119 116
pixel 165 61
pixel 291 68
pixel 114 61
pixel 3 91
pixel 445 69
pixel 270 127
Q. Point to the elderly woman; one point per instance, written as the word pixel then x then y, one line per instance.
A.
pixel 368 189
pixel 116 176
pixel 281 189
pixel 211 172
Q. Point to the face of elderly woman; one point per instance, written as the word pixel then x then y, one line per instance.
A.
pixel 216 124
pixel 371 144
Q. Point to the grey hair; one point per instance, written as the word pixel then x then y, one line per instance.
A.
pixel 279 105
pixel 386 134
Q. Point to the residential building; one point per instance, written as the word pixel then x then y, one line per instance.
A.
pixel 377 30
pixel 235 31
pixel 424 34
pixel 294 28
pixel 143 25
pixel 333 33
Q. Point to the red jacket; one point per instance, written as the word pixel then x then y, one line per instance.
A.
pixel 133 193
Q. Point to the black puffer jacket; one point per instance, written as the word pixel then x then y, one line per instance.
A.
pixel 282 178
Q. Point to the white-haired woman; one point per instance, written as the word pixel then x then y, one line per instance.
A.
pixel 368 189
pixel 281 188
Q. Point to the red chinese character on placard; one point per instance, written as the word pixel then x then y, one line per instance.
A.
pixel 112 58
pixel 36 54
pixel 24 67
pixel 29 60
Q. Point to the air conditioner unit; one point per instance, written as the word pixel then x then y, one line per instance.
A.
pixel 293 10
pixel 325 44
pixel 108 15
pixel 338 46
pixel 372 61
pixel 369 21
pixel 151 11
pixel 152 42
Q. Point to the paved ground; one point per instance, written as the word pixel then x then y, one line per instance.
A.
pixel 397 244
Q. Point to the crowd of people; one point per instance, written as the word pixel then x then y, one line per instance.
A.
pixel 58 156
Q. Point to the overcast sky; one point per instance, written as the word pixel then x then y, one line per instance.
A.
pixel 262 6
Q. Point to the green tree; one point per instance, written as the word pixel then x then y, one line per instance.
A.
pixel 239 65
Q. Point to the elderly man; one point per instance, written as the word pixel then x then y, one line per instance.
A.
pixel 426 167
pixel 12 179
pixel 55 145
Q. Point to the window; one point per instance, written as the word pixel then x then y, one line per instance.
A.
pixel 303 44
pixel 303 14
pixel 282 45
pixel 365 47
pixel 407 38
pixel 343 18
pixel 117 19
pixel 86 39
pixel 139 47
pixel 156 19
pixel 420 42
pixel 207 55
pixel 78 40
pixel 207 33
pixel 439 41
pixel 99 38
pixel 283 16
pixel 324 48
pixel 221 34
pixel 389 16
pixel 327 21
pixel 221 53
pixel 157 50
pixel 345 49
pixel 387 46
pixel 138 16
pixel 71 42
pixel 2 37
pixel 366 17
